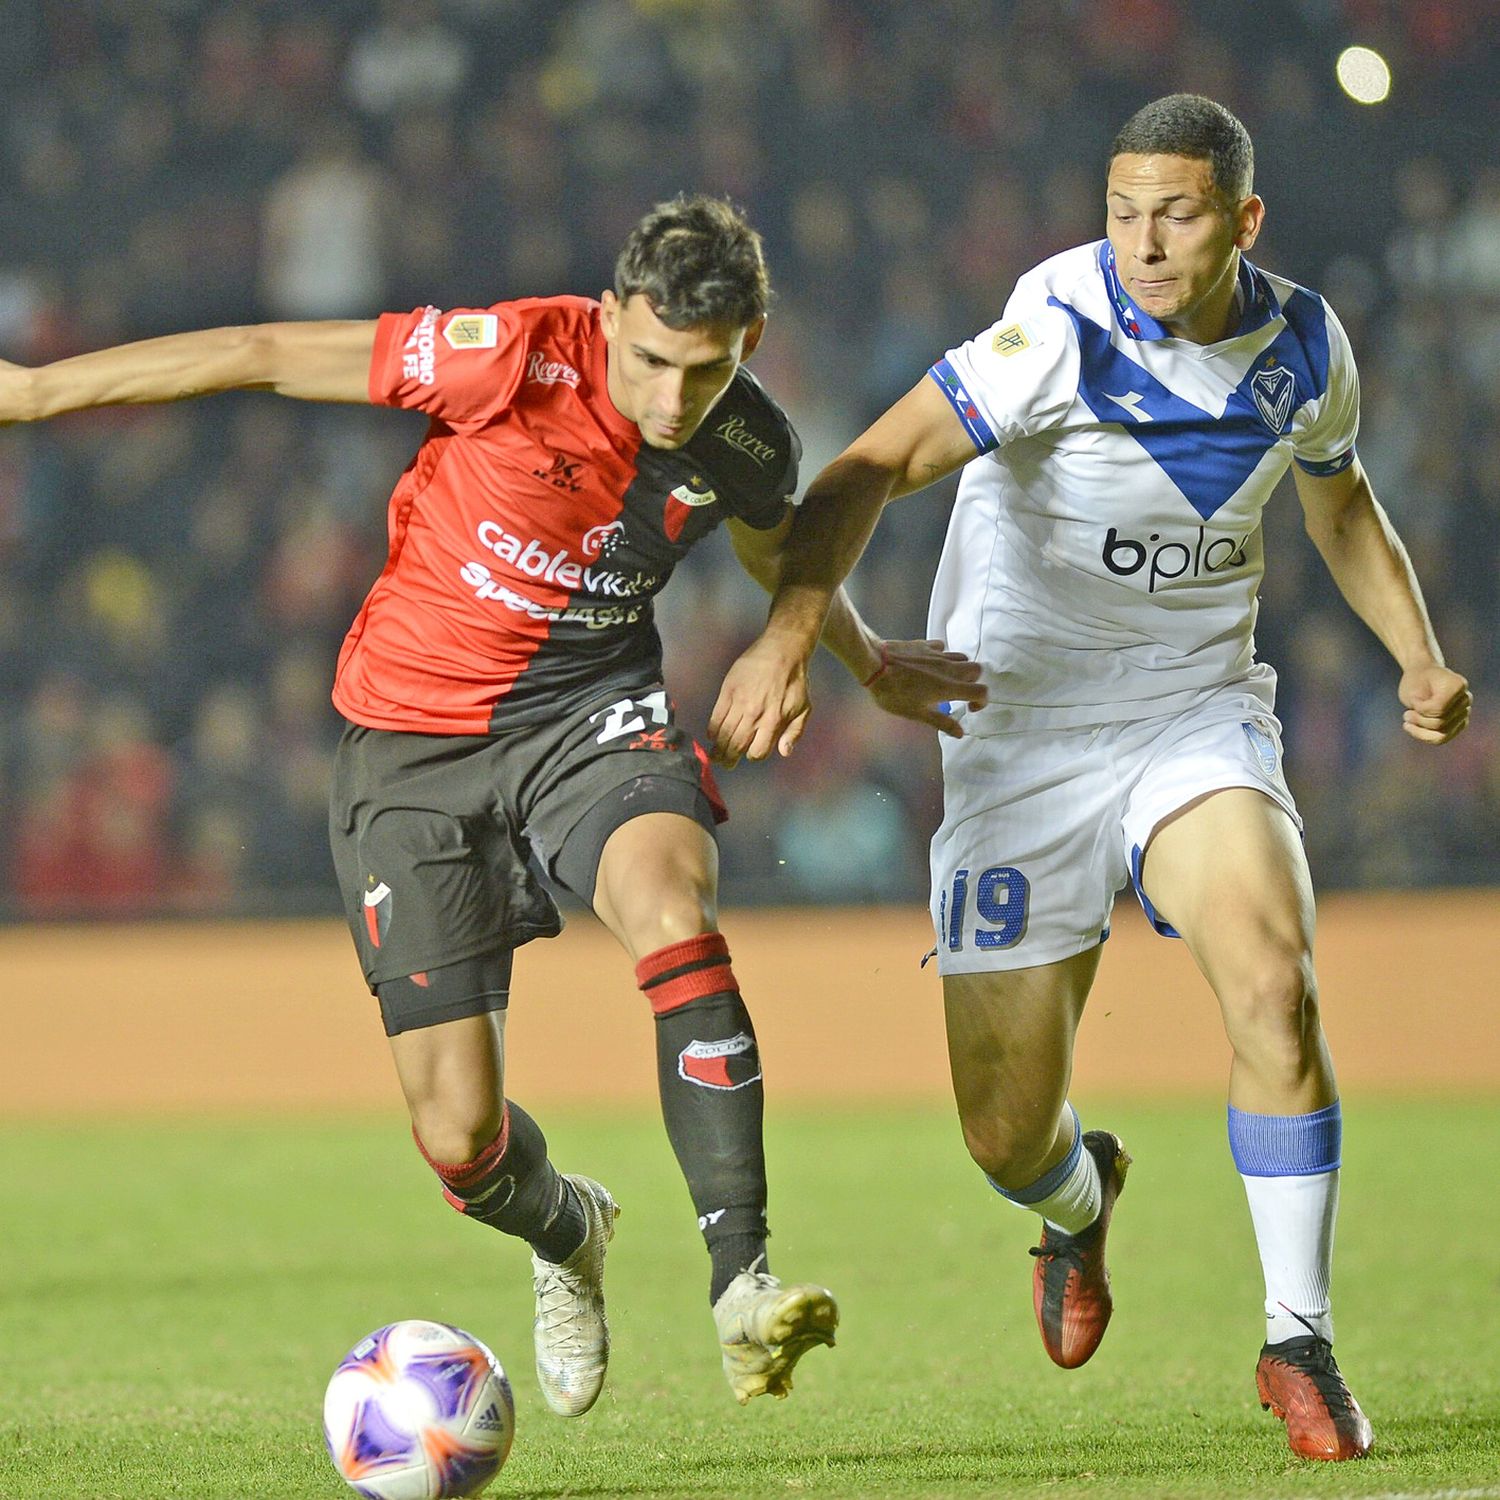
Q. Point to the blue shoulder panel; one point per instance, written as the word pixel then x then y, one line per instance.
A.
pixel 1307 330
pixel 1303 348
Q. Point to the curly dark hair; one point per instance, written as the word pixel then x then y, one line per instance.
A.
pixel 1192 126
pixel 696 260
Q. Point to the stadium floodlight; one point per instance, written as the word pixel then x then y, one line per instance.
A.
pixel 1364 75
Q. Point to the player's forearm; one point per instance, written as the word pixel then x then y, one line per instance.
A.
pixel 173 368
pixel 847 636
pixel 314 361
pixel 1373 571
pixel 833 526
pixel 844 633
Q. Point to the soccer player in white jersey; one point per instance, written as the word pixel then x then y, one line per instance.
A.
pixel 1121 427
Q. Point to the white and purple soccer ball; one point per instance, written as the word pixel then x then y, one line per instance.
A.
pixel 418 1411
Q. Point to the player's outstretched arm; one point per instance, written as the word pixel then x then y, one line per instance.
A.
pixel 912 679
pixel 310 361
pixel 763 703
pixel 1351 530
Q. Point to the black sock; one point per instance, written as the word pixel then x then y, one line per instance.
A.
pixel 708 1073
pixel 512 1187
pixel 732 1254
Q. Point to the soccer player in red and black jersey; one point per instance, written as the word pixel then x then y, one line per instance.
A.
pixel 503 690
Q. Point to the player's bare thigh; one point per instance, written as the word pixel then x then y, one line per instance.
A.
pixel 1229 873
pixel 1010 1051
pixel 658 882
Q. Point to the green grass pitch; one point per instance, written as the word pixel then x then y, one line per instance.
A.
pixel 175 1294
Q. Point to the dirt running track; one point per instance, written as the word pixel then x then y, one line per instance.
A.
pixel 274 1016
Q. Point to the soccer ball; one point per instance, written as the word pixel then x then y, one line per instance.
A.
pixel 418 1411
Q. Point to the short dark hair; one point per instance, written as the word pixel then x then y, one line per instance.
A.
pixel 1192 126
pixel 696 260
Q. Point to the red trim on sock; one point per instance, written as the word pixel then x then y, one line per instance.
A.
pixel 467 1174
pixel 674 955
pixel 711 976
pixel 673 994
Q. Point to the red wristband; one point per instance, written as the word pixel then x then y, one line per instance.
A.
pixel 880 671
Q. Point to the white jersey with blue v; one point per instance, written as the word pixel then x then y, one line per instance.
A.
pixel 1104 552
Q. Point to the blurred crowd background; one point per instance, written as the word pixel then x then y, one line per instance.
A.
pixel 175 581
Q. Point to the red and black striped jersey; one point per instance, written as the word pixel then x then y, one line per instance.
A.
pixel 533 529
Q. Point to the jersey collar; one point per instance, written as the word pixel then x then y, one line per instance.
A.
pixel 1257 299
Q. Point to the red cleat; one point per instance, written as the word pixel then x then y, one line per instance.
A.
pixel 1070 1283
pixel 1299 1381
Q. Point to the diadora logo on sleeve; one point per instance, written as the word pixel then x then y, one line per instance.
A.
pixel 1163 562
pixel 472 331
pixel 1130 401
pixel 732 430
pixel 420 352
pixel 543 371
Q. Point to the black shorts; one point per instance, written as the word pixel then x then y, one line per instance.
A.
pixel 436 838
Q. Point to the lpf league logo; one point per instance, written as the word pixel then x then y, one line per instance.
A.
pixel 1273 390
pixel 472 331
pixel 681 503
pixel 727 1065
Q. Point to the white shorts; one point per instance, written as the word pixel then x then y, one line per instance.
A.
pixel 1041 828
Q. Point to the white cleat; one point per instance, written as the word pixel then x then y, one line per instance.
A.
pixel 765 1328
pixel 571 1331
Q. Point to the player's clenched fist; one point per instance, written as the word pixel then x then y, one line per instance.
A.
pixel 1438 702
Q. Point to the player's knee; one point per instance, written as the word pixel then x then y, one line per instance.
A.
pixel 455 1130
pixel 675 914
pixel 686 910
pixel 1012 1153
pixel 1274 1007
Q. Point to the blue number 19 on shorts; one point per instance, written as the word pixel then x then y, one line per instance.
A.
pixel 1002 895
